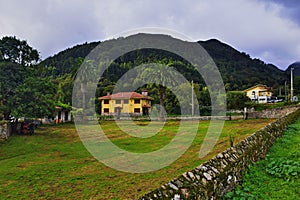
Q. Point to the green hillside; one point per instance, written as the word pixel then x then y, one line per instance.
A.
pixel 238 69
pixel 296 73
pixel 66 61
pixel 57 73
pixel 296 67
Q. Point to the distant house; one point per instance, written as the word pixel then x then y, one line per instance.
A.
pixel 62 114
pixel 126 103
pixel 259 93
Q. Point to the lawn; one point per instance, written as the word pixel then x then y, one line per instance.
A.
pixel 278 175
pixel 54 164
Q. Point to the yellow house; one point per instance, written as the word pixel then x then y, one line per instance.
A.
pixel 260 93
pixel 126 103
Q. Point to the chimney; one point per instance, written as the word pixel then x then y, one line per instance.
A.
pixel 145 92
pixel 108 93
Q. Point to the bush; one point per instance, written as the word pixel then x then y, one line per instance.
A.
pixel 239 193
pixel 265 106
pixel 282 168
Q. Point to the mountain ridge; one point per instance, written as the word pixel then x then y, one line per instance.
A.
pixel 296 66
pixel 238 69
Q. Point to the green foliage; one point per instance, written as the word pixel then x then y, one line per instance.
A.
pixel 67 61
pixel 239 70
pixel 34 98
pixel 265 106
pixel 64 89
pixel 296 84
pixel 232 137
pixel 277 176
pixel 17 51
pixel 63 105
pixel 283 168
pixel 239 194
pixel 11 75
pixel 236 100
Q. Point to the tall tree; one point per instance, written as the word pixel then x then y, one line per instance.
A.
pixel 17 51
pixel 84 74
pixel 11 75
pixel 236 100
pixel 64 90
pixel 161 75
pixel 34 98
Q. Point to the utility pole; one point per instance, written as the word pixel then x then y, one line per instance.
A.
pixel 192 98
pixel 292 89
pixel 285 97
pixel 279 91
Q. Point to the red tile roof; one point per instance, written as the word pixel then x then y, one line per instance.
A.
pixel 126 95
pixel 259 85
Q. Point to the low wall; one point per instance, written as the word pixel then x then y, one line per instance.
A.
pixel 4 131
pixel 274 113
pixel 219 175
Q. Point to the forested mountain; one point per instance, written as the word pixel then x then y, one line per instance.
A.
pixel 296 69
pixel 238 69
pixel 66 61
pixel 50 82
pixel 296 73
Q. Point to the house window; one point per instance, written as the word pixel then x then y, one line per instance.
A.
pixel 106 110
pixel 106 101
pixel 137 110
pixel 118 101
pixel 66 115
pixel 137 101
pixel 125 101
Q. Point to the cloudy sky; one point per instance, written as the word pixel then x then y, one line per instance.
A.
pixel 265 29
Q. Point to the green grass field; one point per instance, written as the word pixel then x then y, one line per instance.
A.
pixel 278 175
pixel 54 164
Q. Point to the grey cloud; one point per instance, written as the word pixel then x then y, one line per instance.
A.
pixel 292 8
pixel 258 27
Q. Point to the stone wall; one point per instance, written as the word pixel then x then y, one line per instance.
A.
pixel 4 131
pixel 273 113
pixel 219 175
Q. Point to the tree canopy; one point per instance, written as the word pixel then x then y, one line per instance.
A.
pixel 34 98
pixel 21 77
pixel 17 51
pixel 236 100
pixel 11 75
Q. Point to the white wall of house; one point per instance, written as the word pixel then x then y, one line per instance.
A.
pixel 63 116
pixel 60 116
pixel 263 99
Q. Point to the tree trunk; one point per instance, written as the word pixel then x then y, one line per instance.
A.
pixel 162 93
pixel 83 91
pixel 6 116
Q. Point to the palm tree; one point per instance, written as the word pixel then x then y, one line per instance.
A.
pixel 161 75
pixel 84 74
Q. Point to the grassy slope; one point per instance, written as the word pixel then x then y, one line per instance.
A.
pixel 53 164
pixel 277 176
